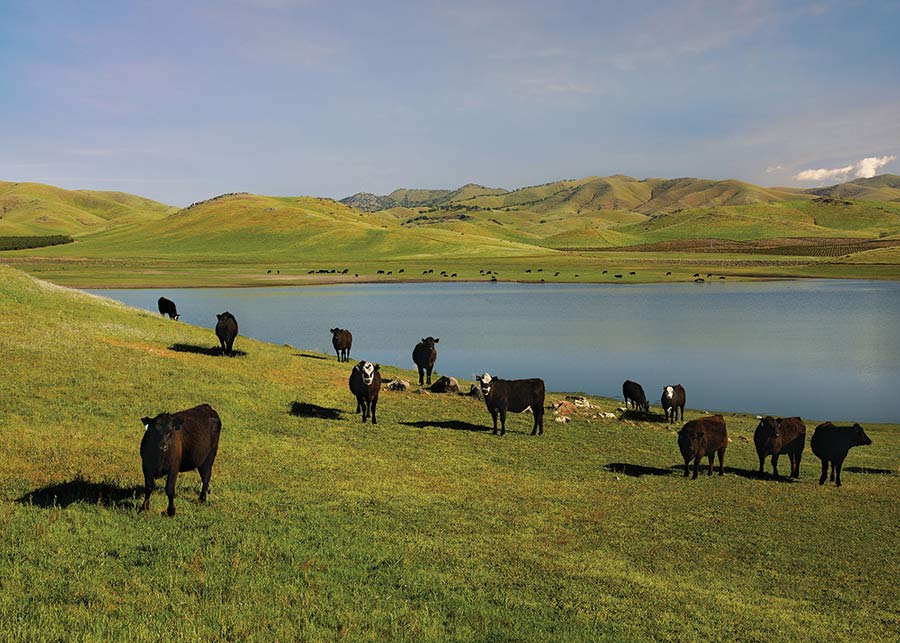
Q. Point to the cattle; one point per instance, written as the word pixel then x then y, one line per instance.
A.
pixel 177 442
pixel 342 340
pixel 604 272
pixel 424 356
pixel 668 274
pixel 634 392
pixel 365 383
pixel 673 398
pixel 831 443
pixel 167 307
pixel 617 276
pixel 704 436
pixel 632 273
pixel 226 331
pixel 779 436
pixel 502 396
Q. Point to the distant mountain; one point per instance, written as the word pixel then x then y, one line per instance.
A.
pixel 885 187
pixel 38 209
pixel 406 198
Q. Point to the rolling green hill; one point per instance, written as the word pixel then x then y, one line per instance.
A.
pixel 35 208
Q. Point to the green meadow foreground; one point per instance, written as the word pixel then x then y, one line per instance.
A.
pixel 423 528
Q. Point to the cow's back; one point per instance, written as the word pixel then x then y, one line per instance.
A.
pixel 524 393
pixel 712 427
pixel 793 434
pixel 199 435
pixel 827 440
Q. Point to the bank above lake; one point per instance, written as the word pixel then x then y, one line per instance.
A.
pixel 814 348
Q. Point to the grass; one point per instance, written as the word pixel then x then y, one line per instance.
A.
pixel 424 528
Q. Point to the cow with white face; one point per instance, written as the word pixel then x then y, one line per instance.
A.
pixel 502 396
pixel 673 398
pixel 365 384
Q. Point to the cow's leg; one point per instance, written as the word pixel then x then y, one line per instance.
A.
pixel 358 404
pixel 374 404
pixel 170 489
pixel 494 416
pixel 205 471
pixel 722 461
pixel 429 374
pixel 365 410
pixel 502 421
pixel 775 465
pixel 687 467
pixel 762 465
pixel 837 464
pixel 149 486
pixel 797 455
pixel 539 421
pixel 831 479
pixel 712 457
pixel 682 413
pixel 421 376
pixel 824 471
pixel 696 466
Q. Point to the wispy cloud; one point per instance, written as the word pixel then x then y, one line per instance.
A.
pixel 863 169
pixel 774 168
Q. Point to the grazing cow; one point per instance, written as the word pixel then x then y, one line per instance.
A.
pixel 704 436
pixel 226 331
pixel 167 307
pixel 617 276
pixel 604 272
pixel 634 392
pixel 424 356
pixel 775 437
pixel 502 396
pixel 632 273
pixel 831 443
pixel 177 442
pixel 673 398
pixel 668 274
pixel 342 340
pixel 365 383
pixel 699 280
pixel 696 274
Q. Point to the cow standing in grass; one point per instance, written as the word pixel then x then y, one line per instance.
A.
pixel 775 437
pixel 342 340
pixel 424 356
pixel 831 443
pixel 365 384
pixel 167 307
pixel 177 442
pixel 635 393
pixel 502 396
pixel 703 437
pixel 226 331
pixel 673 398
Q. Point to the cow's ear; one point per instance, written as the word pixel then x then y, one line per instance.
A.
pixel 437 339
pixel 423 340
pixel 177 423
pixel 377 366
pixel 146 422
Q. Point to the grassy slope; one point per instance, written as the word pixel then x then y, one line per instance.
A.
pixel 34 208
pixel 326 530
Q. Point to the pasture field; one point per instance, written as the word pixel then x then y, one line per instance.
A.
pixel 423 528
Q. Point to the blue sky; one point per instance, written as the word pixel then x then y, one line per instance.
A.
pixel 180 101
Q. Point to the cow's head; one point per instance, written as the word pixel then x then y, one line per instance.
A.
pixel 485 382
pixel 367 370
pixel 691 441
pixel 767 434
pixel 335 331
pixel 430 341
pixel 859 436
pixel 668 393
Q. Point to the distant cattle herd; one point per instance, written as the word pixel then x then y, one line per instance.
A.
pixel 188 440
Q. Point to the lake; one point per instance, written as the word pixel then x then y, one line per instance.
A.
pixel 821 349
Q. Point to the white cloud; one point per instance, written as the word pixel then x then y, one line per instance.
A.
pixel 774 168
pixel 864 169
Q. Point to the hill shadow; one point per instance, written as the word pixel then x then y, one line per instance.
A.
pixel 304 409
pixel 212 351
pixel 882 472
pixel 63 494
pixel 636 470
pixel 454 425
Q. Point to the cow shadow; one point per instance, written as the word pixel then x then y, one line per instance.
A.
pixel 212 351
pixel 306 355
pixel 640 416
pixel 883 472
pixel 454 425
pixel 742 473
pixel 636 470
pixel 63 494
pixel 307 410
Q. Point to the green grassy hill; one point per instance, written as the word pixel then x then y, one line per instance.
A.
pixel 35 208
pixel 424 528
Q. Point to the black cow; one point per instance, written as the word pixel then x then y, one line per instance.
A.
pixel 673 398
pixel 177 442
pixel 365 384
pixel 831 443
pixel 502 396
pixel 780 436
pixel 424 356
pixel 167 307
pixel 704 436
pixel 342 340
pixel 226 331
pixel 634 392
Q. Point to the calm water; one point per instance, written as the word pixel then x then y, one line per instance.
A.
pixel 818 349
